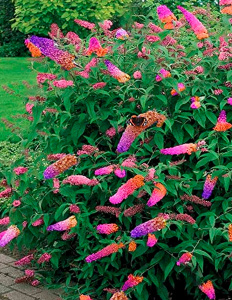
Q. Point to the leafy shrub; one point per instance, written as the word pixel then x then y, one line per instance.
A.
pixel 11 42
pixel 37 16
pixel 183 79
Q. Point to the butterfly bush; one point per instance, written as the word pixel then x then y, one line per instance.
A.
pixel 128 158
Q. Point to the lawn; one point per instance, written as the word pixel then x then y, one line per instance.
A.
pixel 13 71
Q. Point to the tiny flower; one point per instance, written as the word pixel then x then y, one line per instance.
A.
pixel 137 75
pixel 222 124
pixel 185 258
pixel 63 225
pixel 131 282
pixel 16 203
pixel 152 240
pixel 208 289
pixel 107 228
pixel 132 246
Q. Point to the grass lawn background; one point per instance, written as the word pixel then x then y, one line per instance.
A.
pixel 13 71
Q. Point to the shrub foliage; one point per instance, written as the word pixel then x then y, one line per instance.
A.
pixel 172 74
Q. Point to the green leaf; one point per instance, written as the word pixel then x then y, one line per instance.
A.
pixel 169 268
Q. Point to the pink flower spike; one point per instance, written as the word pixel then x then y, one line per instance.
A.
pixel 121 34
pixel 11 233
pixel 104 170
pixel 198 28
pixel 20 170
pixel 44 258
pixel 107 228
pixel 150 226
pixel 185 258
pixel 116 73
pixel 35 282
pixel 229 101
pixel 56 185
pixel 127 189
pixel 6 193
pixel 62 83
pixel 131 282
pixel 120 173
pixel 63 225
pixel 85 24
pixel 30 273
pixel 208 289
pixel 158 194
pixel 5 221
pixel 99 85
pixel 26 260
pixel 152 240
pixel 80 180
pixel 181 149
pixel 38 222
pixel 106 25
pixel 73 208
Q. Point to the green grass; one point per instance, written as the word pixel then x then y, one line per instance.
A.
pixel 12 72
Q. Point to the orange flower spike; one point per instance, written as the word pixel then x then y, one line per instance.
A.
pixel 132 246
pixel 230 232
